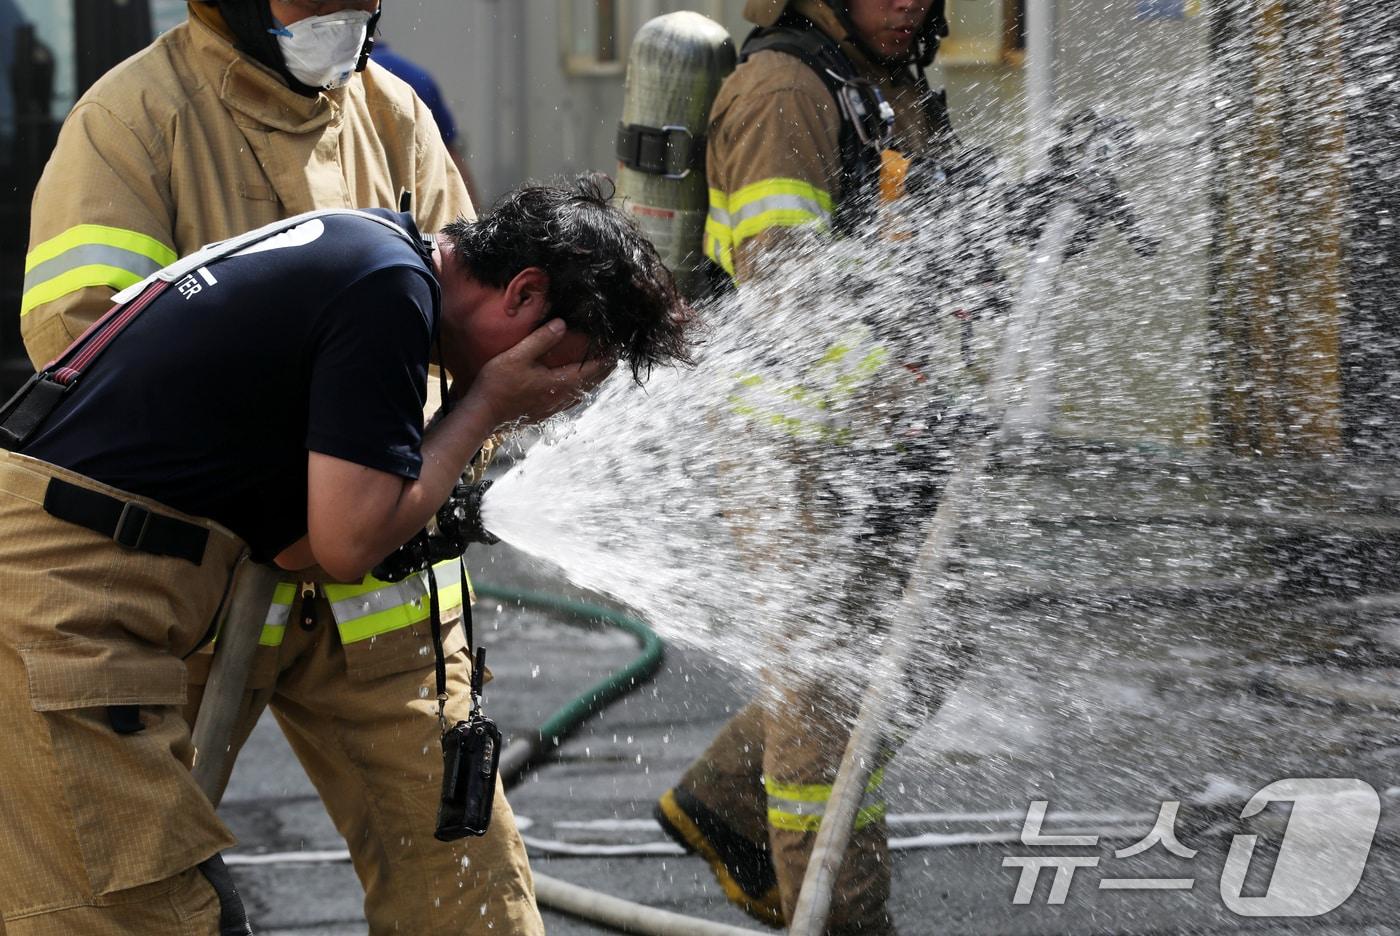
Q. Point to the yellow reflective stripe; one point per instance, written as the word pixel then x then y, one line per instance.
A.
pixel 339 592
pixel 777 218
pixel 799 807
pixel 814 792
pixel 284 594
pixel 820 400
pixel 84 234
pixel 870 814
pixel 74 280
pixel 717 246
pixel 791 425
pixel 278 614
pixel 776 203
pixel 90 255
pixel 770 203
pixel 794 822
pixel 391 619
pixel 447 571
pixel 410 602
pixel 739 203
pixel 718 237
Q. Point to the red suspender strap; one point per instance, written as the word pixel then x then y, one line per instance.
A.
pixel 25 412
pixel 100 334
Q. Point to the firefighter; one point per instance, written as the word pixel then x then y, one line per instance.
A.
pixel 826 112
pixel 252 111
pixel 289 424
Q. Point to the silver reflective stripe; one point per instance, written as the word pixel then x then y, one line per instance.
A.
pixel 808 808
pixel 796 807
pixel 412 590
pixel 778 203
pixel 90 255
pixel 719 216
pixel 278 615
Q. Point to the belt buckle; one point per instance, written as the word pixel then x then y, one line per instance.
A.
pixel 133 514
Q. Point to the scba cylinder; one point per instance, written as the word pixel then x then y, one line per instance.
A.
pixel 674 70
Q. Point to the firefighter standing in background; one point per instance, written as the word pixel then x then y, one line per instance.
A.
pixel 828 106
pixel 250 112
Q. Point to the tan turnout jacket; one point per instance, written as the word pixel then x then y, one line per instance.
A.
pixel 190 141
pixel 212 144
pixel 774 151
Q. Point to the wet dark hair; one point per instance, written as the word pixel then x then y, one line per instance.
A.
pixel 606 280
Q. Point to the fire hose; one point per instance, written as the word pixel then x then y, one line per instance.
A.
pixel 1082 170
pixel 248 608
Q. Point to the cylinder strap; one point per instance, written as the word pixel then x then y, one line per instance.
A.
pixel 671 151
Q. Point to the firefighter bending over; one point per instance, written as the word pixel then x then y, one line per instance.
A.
pixel 289 424
pixel 249 112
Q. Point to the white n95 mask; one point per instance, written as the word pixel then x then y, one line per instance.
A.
pixel 322 51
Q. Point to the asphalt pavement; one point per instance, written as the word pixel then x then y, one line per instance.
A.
pixel 1104 715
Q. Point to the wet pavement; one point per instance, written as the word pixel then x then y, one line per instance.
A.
pixel 1102 707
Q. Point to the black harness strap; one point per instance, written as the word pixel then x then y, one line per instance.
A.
pixel 129 524
pixel 25 412
pixel 478 654
pixel 860 160
pixel 673 151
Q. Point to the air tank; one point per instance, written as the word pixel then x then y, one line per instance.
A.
pixel 675 68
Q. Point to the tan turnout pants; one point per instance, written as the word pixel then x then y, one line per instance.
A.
pixel 369 741
pixel 100 832
pixel 781 753
pixel 767 775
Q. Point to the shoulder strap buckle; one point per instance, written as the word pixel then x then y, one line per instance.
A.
pixel 26 411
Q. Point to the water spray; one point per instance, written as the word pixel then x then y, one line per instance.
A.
pixel 1085 151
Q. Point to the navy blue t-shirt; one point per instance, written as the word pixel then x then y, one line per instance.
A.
pixel 317 339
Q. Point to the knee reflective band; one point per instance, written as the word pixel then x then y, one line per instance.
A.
pixel 89 255
pixel 799 807
pixel 233 921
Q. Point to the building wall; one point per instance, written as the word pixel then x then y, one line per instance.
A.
pixel 1134 341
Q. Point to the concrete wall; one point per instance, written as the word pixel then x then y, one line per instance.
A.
pixel 1134 341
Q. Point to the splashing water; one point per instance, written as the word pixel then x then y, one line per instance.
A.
pixel 764 503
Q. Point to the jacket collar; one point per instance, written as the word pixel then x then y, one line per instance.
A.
pixel 828 22
pixel 209 15
pixel 250 88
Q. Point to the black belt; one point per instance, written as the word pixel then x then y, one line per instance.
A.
pixel 128 523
